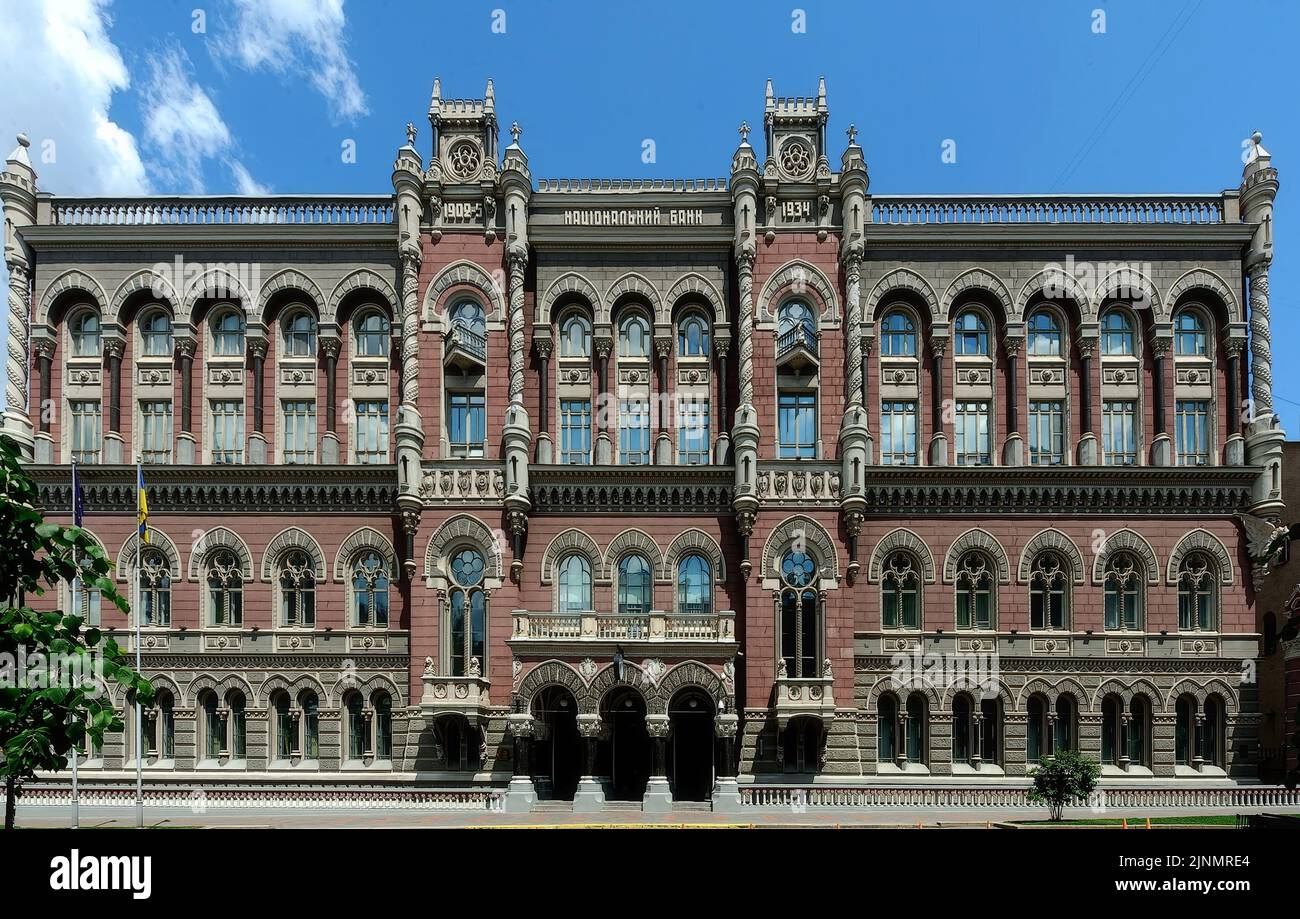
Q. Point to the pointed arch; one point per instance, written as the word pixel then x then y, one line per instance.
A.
pixel 800 528
pixel 983 541
pixel 695 287
pixel 158 285
pixel 573 540
pixel 636 285
pixel 464 273
pixel 359 539
pixel 901 538
pixel 288 279
pixel 1121 283
pixel 1126 539
pixel 1052 540
pixel 806 276
pixel 361 279
pixel 571 284
pixel 293 538
pixel 691 541
pixel 462 528
pixel 901 279
pixel 983 280
pixel 1204 541
pixel 221 538
pixel 72 280
pixel 157 540
pixel 634 540
pixel 1207 280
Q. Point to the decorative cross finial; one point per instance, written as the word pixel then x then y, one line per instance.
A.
pixel 410 133
pixel 515 131
pixel 744 132
pixel 853 134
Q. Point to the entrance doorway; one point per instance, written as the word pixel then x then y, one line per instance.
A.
pixel 691 746
pixel 557 754
pixel 627 752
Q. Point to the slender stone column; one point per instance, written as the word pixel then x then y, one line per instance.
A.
pixel 663 450
pixel 518 264
pixel 45 358
pixel 720 347
pixel 938 436
pixel 543 347
pixel 185 359
pixel 330 347
pixel 746 263
pixel 1233 349
pixel 658 794
pixel 257 353
pixel 604 404
pixel 114 348
pixel 853 310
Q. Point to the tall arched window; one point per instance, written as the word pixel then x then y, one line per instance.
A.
pixel 800 625
pixel 1190 339
pixel 961 729
pixel 796 324
pixel 886 725
pixel 237 724
pixel 297 590
pixel 370 590
pixel 467 604
pixel 160 727
pixel 897 335
pixel 634 595
pixel 916 724
pixel 1067 720
pixel 382 704
pixel 1044 334
pixel 1212 728
pixel 213 733
pixel 1185 752
pixel 373 332
pixel 310 720
pixel 575 584
pixel 1117 337
pixel 299 334
pixel 155 589
pixel 900 592
pixel 84 329
pixel 1036 729
pixel 694 585
pixel 975 591
pixel 156 334
pixel 225 589
pixel 286 734
pixel 1111 718
pixel 1139 732
pixel 358 735
pixel 634 337
pixel 1123 591
pixel 575 336
pixel 297 726
pixel 1196 594
pixel 693 336
pixel 469 314
pixel 971 332
pixel 1049 586
pixel 228 334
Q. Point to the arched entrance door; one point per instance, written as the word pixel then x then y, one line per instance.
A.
pixel 557 756
pixel 691 745
pixel 627 751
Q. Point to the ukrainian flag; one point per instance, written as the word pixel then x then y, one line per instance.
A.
pixel 142 504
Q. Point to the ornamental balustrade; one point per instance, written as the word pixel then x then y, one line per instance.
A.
pixel 654 626
pixel 1047 209
pixel 224 210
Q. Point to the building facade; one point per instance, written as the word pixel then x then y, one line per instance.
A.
pixel 647 490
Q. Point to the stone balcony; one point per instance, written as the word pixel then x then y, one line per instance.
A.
pixel 454 695
pixel 669 633
pixel 804 697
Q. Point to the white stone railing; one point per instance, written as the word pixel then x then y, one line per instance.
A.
pixel 656 625
pixel 263 793
pixel 461 481
pixel 1046 209
pixel 223 210
pixel 909 796
pixel 607 185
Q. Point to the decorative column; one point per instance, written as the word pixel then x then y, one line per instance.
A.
pixel 1013 450
pixel 663 454
pixel 115 450
pixel 1234 451
pixel 543 347
pixel 330 449
pixel 45 360
pixel 604 404
pixel 1162 446
pixel 938 439
pixel 520 726
pixel 257 445
pixel 516 185
pixel 590 796
pixel 745 431
pixel 658 794
pixel 726 790
pixel 408 432
pixel 18 194
pixel 186 442
pixel 722 444
pixel 1087 453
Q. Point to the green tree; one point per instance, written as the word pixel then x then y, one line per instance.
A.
pixel 1063 778
pixel 54 700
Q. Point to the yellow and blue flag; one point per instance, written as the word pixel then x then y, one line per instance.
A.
pixel 142 504
pixel 78 498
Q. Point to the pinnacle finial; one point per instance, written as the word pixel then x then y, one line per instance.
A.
pixel 410 133
pixel 24 140
pixel 744 132
pixel 853 134
pixel 515 132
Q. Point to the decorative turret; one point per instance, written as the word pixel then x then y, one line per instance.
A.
pixel 18 192
pixel 516 188
pixel 856 446
pixel 745 431
pixel 462 178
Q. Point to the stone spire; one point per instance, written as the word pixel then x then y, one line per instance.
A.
pixel 18 193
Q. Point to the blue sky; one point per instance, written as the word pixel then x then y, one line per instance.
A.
pixel 1036 100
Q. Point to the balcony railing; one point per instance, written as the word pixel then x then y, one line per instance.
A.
pixel 469 340
pixel 655 625
pixel 799 336
pixel 204 210
pixel 1047 209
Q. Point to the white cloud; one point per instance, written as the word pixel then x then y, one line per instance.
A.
pixel 245 184
pixel 299 37
pixel 181 123
pixel 60 72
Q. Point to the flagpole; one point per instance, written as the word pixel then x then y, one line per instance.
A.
pixel 135 613
pixel 76 611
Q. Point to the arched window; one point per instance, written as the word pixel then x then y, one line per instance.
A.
pixel 84 329
pixel 228 334
pixel 370 590
pixel 961 729
pixel 310 719
pixel 237 725
pixel 382 704
pixel 634 595
pixel 990 732
pixel 1049 592
pixel 160 727
pixel 1139 732
pixel 900 592
pixel 297 590
pixel 1117 338
pixel 1190 339
pixel 373 332
pixel 971 331
pixel 155 589
pixel 1111 722
pixel 213 733
pixel 575 336
pixel 796 324
pixel 694 585
pixel 1196 594
pixel 975 591
pixel 1067 719
pixel 693 336
pixel 297 726
pixel 358 735
pixel 917 715
pixel 299 334
pixel 156 334
pixel 286 734
pixel 898 335
pixel 468 314
pixel 634 337
pixel 800 627
pixel 225 589
pixel 1037 730
pixel 467 604
pixel 886 724
pixel 575 584
pixel 1212 732
pixel 1044 334
pixel 1185 752
pixel 1123 591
